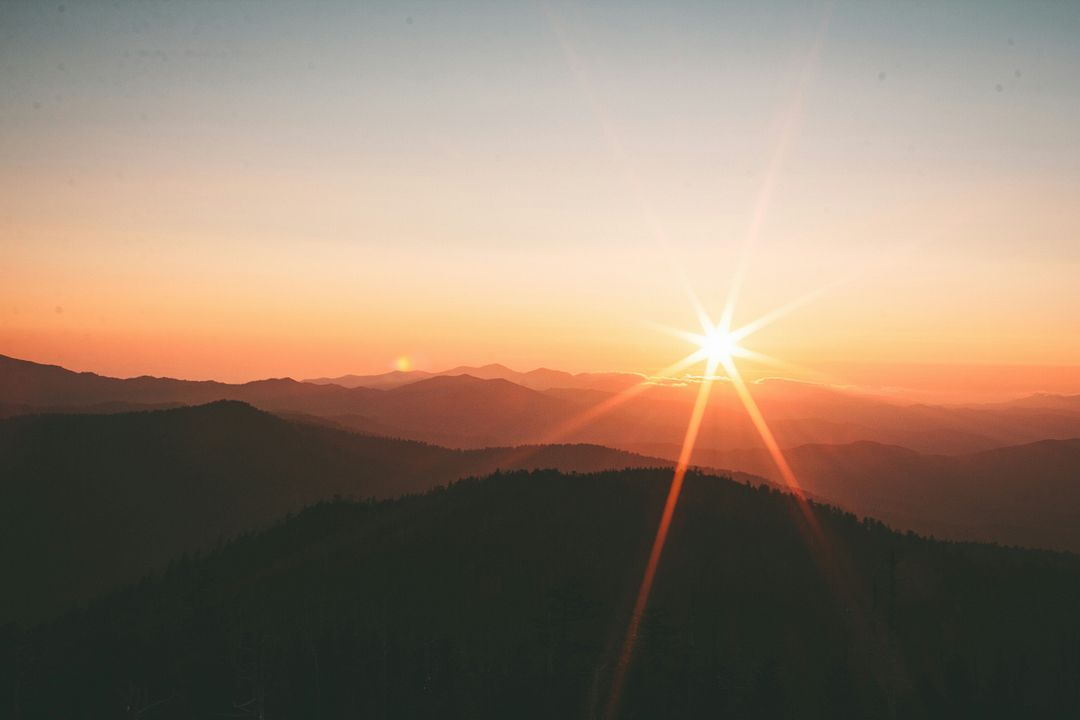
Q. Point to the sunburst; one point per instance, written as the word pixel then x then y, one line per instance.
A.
pixel 718 346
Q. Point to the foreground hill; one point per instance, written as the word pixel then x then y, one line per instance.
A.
pixel 1024 495
pixel 509 596
pixel 87 501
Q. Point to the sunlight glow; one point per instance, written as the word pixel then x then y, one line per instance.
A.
pixel 719 344
pixel 645 589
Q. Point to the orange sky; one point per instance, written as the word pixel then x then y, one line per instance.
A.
pixel 199 197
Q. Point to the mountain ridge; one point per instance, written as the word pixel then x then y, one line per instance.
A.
pixel 537 379
pixel 503 412
pixel 137 488
pixel 1026 494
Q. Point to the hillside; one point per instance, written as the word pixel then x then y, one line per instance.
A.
pixel 508 597
pixel 1024 494
pixel 91 500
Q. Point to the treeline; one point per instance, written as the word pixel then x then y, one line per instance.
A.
pixel 509 596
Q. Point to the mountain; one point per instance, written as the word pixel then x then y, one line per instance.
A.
pixel 509 597
pixel 1024 495
pixel 49 387
pixel 803 413
pixel 1045 401
pixel 382 381
pixel 458 410
pixel 539 379
pixel 91 500
pixel 465 411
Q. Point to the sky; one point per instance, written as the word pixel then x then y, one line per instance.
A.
pixel 243 190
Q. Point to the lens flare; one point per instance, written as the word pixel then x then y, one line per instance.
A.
pixel 718 346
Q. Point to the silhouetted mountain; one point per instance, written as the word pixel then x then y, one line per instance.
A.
pixel 91 500
pixel 382 381
pixel 1025 495
pixel 539 379
pixel 49 387
pixel 491 371
pixel 1044 401
pixel 508 598
pixel 463 411
pixel 105 408
pixel 459 410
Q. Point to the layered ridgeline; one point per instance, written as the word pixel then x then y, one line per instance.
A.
pixel 1025 495
pixel 539 379
pixel 87 501
pixel 509 596
pixel 506 408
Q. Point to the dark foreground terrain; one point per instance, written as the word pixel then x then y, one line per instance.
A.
pixel 507 597
pixel 89 502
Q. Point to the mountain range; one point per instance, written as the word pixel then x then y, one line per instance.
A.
pixel 539 379
pixel 90 501
pixel 468 412
pixel 1026 495
pixel 178 549
pixel 956 471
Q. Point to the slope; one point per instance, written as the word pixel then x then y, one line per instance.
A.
pixel 91 500
pixel 508 597
pixel 1024 495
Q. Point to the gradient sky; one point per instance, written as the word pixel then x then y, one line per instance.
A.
pixel 240 190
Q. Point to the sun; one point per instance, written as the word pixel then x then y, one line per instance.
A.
pixel 719 345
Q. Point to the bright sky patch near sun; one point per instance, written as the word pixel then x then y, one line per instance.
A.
pixel 248 190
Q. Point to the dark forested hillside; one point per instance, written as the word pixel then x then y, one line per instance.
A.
pixel 508 597
pixel 87 501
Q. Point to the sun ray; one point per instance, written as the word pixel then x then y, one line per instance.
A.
pixel 717 344
pixel 776 314
pixel 703 317
pixel 720 345
pixel 578 421
pixel 764 359
pixel 561 431
pixel 691 337
pixel 763 430
pixel 765 193
pixel 644 590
